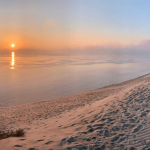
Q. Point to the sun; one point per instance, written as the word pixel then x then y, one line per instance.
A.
pixel 12 45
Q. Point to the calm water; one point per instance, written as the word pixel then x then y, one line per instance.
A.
pixel 31 77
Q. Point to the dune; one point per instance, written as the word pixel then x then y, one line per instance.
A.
pixel 112 117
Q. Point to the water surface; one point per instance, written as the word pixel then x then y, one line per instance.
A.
pixel 31 77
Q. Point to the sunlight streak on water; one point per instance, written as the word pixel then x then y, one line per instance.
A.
pixel 12 60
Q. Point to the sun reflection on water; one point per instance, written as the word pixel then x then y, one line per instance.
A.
pixel 12 60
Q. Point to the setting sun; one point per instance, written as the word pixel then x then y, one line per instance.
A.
pixel 12 45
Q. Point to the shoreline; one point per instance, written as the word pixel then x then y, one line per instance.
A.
pixel 107 86
pixel 110 117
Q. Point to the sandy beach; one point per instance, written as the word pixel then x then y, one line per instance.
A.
pixel 112 117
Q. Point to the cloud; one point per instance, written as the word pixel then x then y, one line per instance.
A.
pixel 139 49
pixel 145 43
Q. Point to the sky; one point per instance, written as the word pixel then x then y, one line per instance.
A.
pixel 60 25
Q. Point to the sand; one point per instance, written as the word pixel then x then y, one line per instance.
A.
pixel 112 117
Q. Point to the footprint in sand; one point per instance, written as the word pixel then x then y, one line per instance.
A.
pixel 39 140
pixel 32 149
pixel 132 148
pixel 126 126
pixel 115 138
pixel 22 139
pixel 47 143
pixel 115 128
pixel 100 133
pixel 72 139
pixel 90 130
pixel 18 146
pixel 63 141
pixel 106 133
pixel 72 124
pixel 88 139
pixel 137 129
pixel 121 140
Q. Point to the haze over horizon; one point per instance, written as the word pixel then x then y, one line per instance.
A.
pixel 75 26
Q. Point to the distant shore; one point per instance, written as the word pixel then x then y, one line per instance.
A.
pixel 112 117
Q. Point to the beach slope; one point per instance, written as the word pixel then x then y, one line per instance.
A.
pixel 112 117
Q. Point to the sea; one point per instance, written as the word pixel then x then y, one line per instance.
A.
pixel 28 77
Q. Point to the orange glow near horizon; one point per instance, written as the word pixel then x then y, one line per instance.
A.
pixel 11 41
pixel 57 43
pixel 54 40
